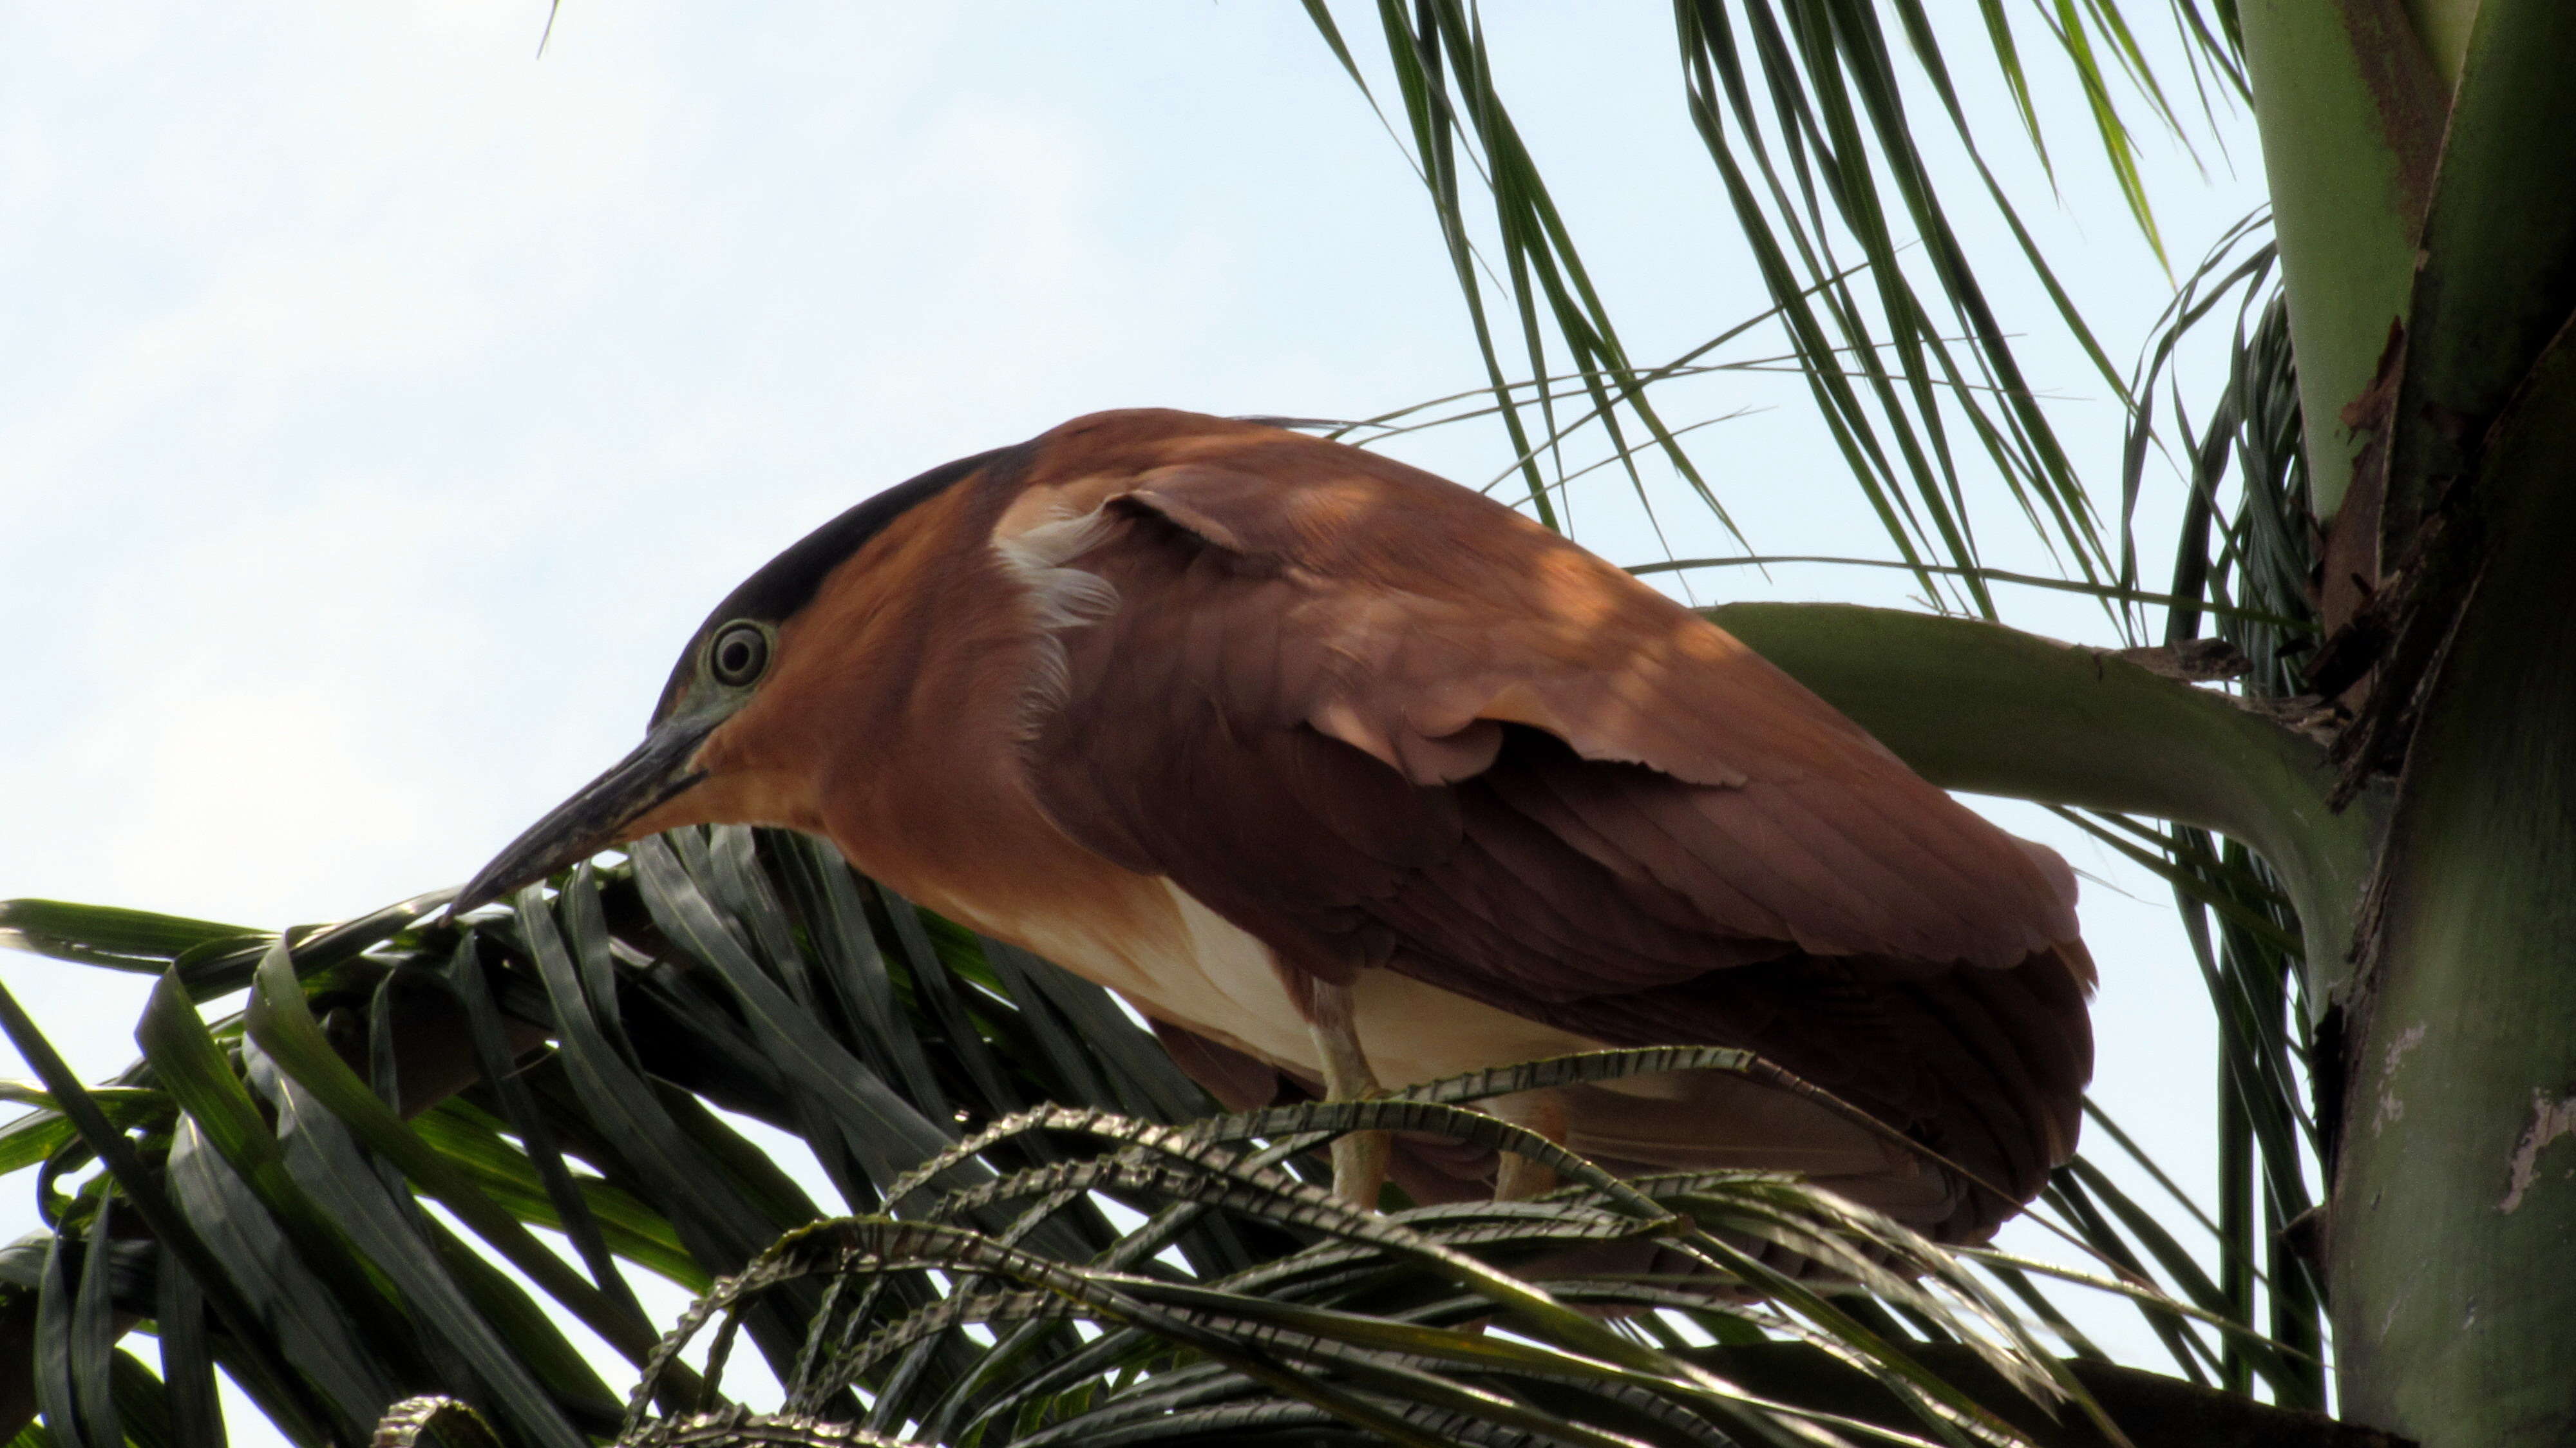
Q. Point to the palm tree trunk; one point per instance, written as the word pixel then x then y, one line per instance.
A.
pixel 2448 446
pixel 2455 1198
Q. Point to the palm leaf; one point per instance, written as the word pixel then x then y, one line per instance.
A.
pixel 1363 1325
pixel 284 1190
pixel 1369 1314
pixel 1800 106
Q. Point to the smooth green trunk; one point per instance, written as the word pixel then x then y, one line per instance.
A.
pixel 2453 1236
pixel 2452 1231
pixel 2498 275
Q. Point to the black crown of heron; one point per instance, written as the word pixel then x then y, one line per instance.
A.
pixel 1347 777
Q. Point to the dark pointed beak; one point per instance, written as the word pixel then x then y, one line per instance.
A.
pixel 598 816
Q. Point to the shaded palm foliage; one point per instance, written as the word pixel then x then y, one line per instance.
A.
pixel 334 1190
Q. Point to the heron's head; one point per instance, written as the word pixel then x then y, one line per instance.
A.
pixel 752 695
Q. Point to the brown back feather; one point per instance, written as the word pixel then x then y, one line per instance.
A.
pixel 1380 721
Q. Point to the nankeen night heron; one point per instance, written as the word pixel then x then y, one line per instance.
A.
pixel 1348 777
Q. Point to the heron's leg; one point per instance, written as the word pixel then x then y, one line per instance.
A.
pixel 1516 1177
pixel 1359 1157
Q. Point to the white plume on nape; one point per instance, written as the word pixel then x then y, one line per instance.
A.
pixel 1058 598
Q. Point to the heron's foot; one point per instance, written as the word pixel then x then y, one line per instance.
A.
pixel 1518 1178
pixel 1359 1167
pixel 1359 1157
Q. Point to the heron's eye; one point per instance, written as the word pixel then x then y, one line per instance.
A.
pixel 739 653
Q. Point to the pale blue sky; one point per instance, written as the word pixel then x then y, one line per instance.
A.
pixel 381 404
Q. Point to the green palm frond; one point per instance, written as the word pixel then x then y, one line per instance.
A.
pixel 1377 1323
pixel 267 1151
pixel 572 1063
pixel 2244 561
pixel 1801 107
